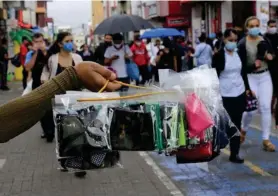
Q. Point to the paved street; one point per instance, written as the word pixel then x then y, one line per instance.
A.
pixel 28 167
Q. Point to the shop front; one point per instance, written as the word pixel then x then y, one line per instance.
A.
pixel 177 22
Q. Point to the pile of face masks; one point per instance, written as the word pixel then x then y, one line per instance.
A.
pixel 89 135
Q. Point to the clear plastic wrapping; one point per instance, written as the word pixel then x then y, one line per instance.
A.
pixel 185 112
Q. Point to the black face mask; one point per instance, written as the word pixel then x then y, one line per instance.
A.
pixel 108 43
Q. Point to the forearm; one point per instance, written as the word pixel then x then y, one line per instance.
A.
pixel 22 113
pixel 29 66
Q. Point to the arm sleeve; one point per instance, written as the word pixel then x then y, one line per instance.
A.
pixel 244 77
pixel 17 116
pixel 128 51
pixel 107 53
pixel 28 57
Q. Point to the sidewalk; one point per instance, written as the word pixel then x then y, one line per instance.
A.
pixel 28 167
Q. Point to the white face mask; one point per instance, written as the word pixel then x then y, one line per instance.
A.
pixel 272 30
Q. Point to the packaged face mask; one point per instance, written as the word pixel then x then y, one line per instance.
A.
pixel 131 130
pixel 82 137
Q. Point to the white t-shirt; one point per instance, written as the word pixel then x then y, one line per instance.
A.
pixel 230 79
pixel 119 64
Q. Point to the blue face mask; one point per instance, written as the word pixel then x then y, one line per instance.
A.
pixel 255 31
pixel 68 47
pixel 231 46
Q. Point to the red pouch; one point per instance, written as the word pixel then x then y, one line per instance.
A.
pixel 195 154
pixel 197 115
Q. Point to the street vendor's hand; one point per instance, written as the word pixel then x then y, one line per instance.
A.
pixel 94 76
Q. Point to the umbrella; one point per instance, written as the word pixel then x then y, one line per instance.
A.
pixel 161 32
pixel 122 24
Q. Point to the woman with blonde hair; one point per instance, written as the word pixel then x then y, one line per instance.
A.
pixel 255 58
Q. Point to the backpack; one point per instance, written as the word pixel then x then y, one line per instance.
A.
pixel 15 60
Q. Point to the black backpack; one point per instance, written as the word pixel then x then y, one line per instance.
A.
pixel 15 60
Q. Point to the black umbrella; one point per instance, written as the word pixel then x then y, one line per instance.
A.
pixel 122 24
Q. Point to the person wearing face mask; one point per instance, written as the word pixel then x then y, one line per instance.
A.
pixel 272 36
pixel 100 50
pixel 61 56
pixel 165 59
pixel 116 57
pixel 234 86
pixel 203 53
pixel 86 53
pixel 141 58
pixel 35 61
pixel 259 79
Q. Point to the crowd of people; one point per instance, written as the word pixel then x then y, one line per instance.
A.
pixel 246 66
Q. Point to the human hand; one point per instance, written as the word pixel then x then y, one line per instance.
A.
pixel 250 93
pixel 269 57
pixel 94 76
pixel 258 63
pixel 114 57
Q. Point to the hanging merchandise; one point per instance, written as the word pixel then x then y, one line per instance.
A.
pixel 186 118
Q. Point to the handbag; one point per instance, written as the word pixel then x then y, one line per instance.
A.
pixel 132 69
pixel 195 153
pixel 15 60
pixel 251 103
pixel 198 117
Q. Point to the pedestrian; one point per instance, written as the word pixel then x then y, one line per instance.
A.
pixel 203 52
pixel 22 53
pixel 86 53
pixel 116 57
pixel 61 56
pixel 100 50
pixel 179 50
pixel 166 59
pixel 4 59
pixel 190 58
pixel 36 60
pixel 234 86
pixel 141 58
pixel 259 79
pixel 272 36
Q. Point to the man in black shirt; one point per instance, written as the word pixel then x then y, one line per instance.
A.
pixel 4 64
pixel 100 50
pixel 35 62
pixel 271 36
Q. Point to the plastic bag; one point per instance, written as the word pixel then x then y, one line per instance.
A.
pixel 198 117
pixel 132 70
pixel 82 133
pixel 28 88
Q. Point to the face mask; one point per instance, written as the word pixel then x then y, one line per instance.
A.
pixel 68 47
pixel 108 43
pixel 272 30
pixel 231 46
pixel 138 43
pixel 255 31
pixel 117 45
